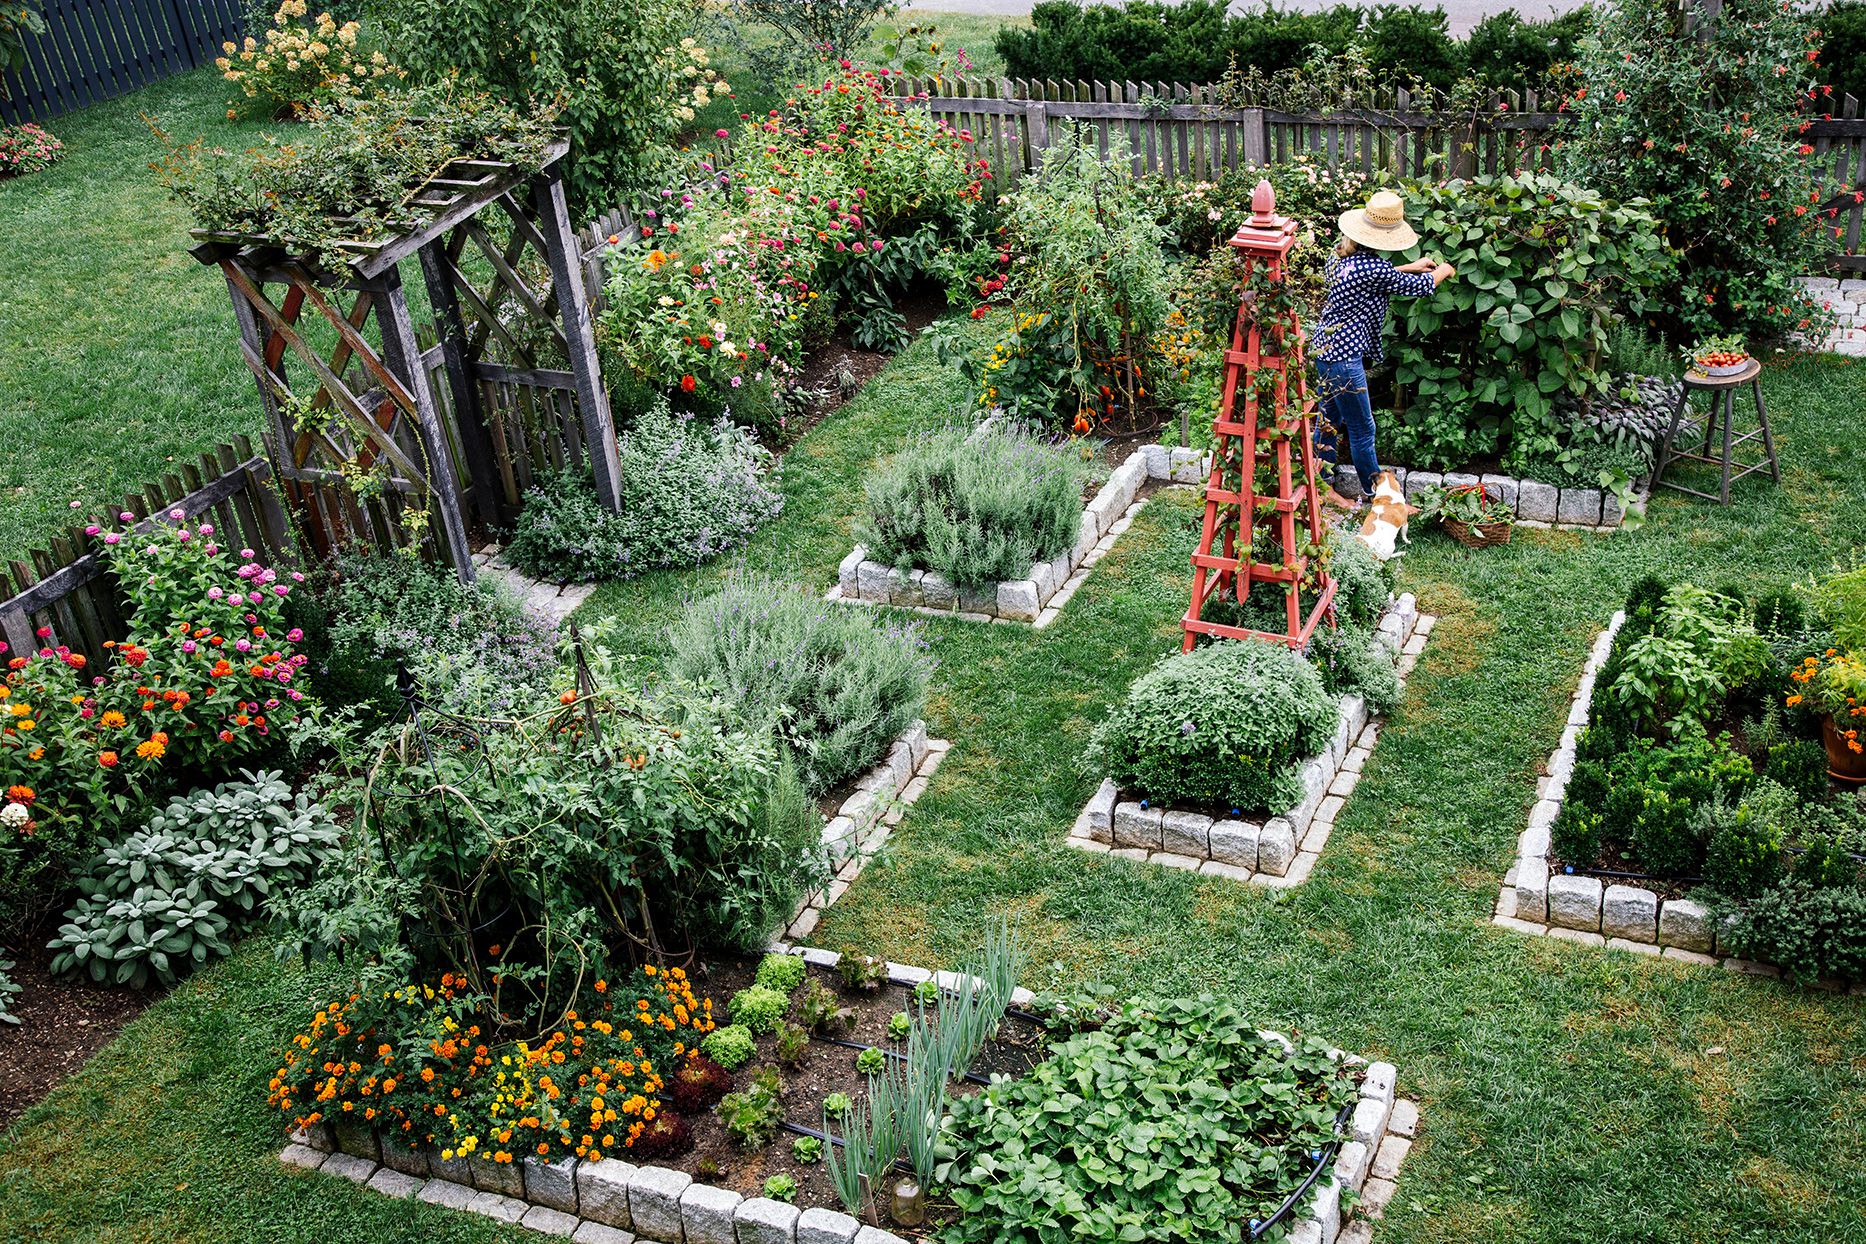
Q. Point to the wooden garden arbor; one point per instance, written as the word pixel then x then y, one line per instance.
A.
pixel 372 405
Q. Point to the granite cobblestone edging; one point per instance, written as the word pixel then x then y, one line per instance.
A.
pixel 868 815
pixel 1535 504
pixel 1038 597
pixel 614 1201
pixel 1596 911
pixel 1279 851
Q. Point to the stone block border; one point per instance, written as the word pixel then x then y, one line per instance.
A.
pixel 862 824
pixel 1595 911
pixel 1535 503
pixel 1282 850
pixel 1846 298
pixel 1039 596
pixel 617 1202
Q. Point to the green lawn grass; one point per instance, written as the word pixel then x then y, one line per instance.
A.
pixel 118 352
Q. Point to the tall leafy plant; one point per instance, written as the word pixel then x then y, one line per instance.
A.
pixel 1545 267
pixel 1703 114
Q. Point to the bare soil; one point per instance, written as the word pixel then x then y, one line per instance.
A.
pixel 62 1023
pixel 826 1067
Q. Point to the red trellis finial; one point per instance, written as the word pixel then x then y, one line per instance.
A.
pixel 1263 205
pixel 1259 493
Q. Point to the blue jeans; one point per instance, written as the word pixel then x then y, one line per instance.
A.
pixel 1345 404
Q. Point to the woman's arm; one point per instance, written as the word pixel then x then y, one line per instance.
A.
pixel 1440 272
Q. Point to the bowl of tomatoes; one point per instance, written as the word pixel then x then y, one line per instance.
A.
pixel 1719 356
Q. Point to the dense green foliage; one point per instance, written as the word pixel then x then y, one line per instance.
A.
pixel 690 491
pixel 623 75
pixel 1544 269
pixel 1197 41
pixel 1843 52
pixel 1173 1120
pixel 1705 125
pixel 1699 762
pixel 1225 724
pixel 977 505
pixel 838 684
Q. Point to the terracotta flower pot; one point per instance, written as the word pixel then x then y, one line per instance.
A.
pixel 1843 763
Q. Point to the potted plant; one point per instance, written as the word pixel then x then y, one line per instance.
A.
pixel 1474 518
pixel 1834 685
pixel 1718 356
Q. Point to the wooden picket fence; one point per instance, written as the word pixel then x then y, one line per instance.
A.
pixel 93 50
pixel 1182 131
pixel 67 589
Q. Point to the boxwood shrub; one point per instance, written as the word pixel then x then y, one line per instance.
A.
pixel 1230 723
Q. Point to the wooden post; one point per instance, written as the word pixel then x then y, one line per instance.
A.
pixel 599 433
pixel 403 357
pixel 1255 145
pixel 469 418
pixel 253 338
pixel 1037 118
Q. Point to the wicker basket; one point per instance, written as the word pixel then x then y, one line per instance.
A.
pixel 1479 535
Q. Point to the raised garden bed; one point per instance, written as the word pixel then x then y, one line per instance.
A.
pixel 1621 910
pixel 1276 851
pixel 1039 597
pixel 863 819
pixel 711 1194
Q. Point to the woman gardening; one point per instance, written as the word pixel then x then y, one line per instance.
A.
pixel 1354 311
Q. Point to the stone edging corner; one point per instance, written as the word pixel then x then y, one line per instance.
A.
pixel 1280 851
pixel 862 824
pixel 1038 597
pixel 617 1202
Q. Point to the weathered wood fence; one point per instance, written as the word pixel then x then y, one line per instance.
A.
pixel 93 50
pixel 67 588
pixel 1183 131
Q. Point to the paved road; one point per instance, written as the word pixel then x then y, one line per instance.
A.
pixel 1464 14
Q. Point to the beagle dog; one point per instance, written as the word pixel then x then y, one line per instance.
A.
pixel 1387 515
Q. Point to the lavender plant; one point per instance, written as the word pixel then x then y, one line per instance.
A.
pixel 976 505
pixel 838 683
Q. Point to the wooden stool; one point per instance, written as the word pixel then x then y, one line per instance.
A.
pixel 1722 390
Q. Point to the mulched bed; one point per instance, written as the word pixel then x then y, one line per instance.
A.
pixel 717 1158
pixel 837 370
pixel 62 1023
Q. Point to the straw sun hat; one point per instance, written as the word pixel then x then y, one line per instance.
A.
pixel 1381 225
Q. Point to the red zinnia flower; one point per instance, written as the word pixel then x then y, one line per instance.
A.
pixel 688 384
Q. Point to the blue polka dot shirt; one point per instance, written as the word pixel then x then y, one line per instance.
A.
pixel 1355 311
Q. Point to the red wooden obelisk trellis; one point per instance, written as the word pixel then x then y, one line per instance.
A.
pixel 1244 527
